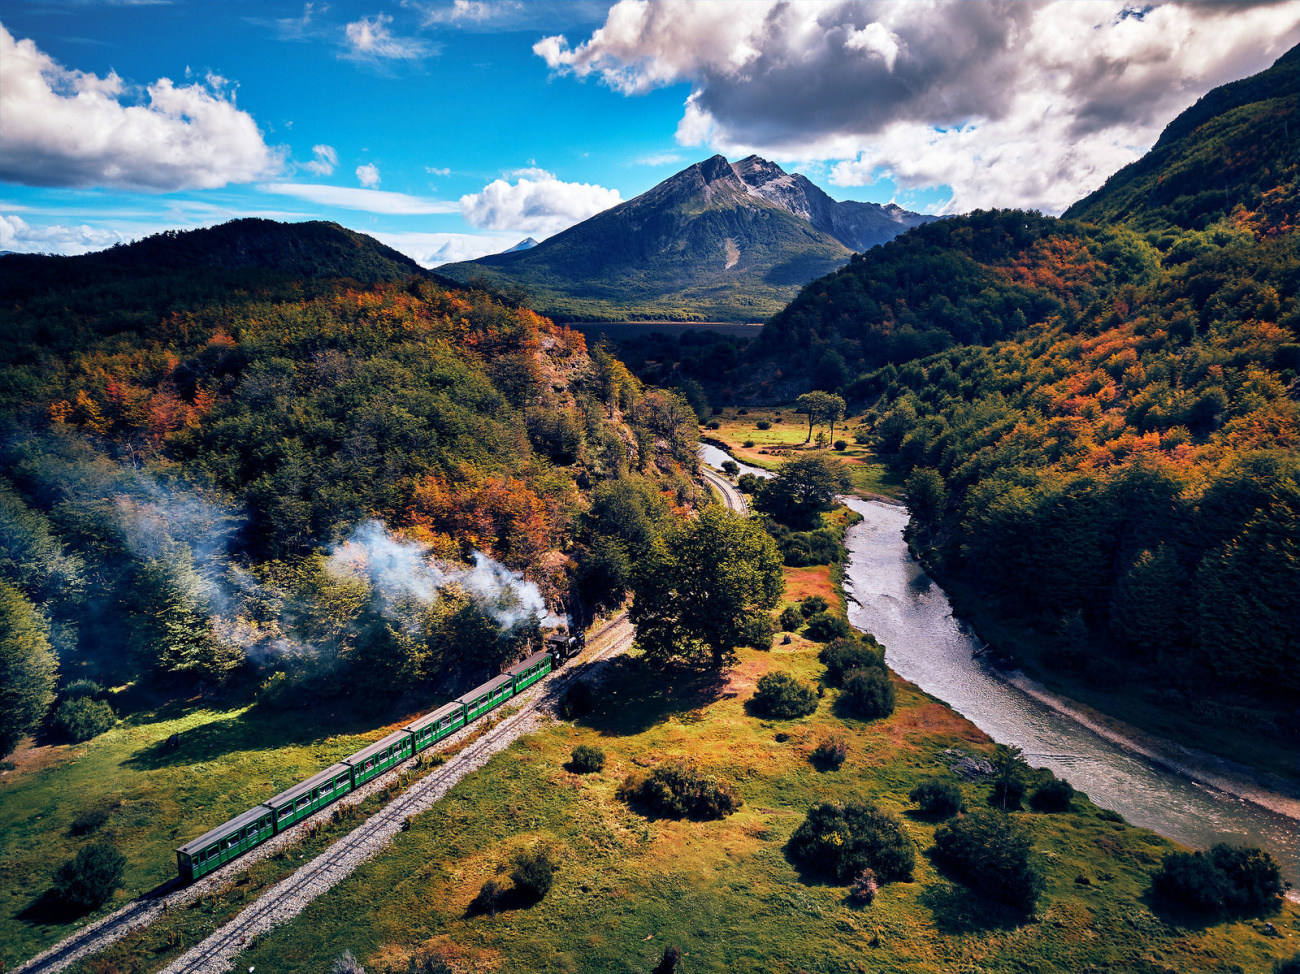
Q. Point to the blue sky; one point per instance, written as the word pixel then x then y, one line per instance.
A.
pixel 455 129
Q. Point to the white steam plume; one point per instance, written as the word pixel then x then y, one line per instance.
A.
pixel 398 568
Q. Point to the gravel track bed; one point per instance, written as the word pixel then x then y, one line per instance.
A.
pixel 344 855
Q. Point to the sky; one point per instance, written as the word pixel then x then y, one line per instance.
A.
pixel 450 129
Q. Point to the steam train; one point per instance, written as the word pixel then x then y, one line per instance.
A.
pixel 232 839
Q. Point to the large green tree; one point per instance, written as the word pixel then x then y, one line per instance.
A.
pixel 823 407
pixel 28 668
pixel 802 488
pixel 706 588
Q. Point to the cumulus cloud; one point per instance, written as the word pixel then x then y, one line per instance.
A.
pixel 1007 103
pixel 324 161
pixel 62 127
pixel 17 235
pixel 369 39
pixel 536 203
pixel 368 200
pixel 368 175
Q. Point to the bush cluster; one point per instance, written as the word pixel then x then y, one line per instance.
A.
pixel 88 880
pixel 830 754
pixel 825 626
pixel 782 697
pixel 587 759
pixel 843 840
pixel 790 619
pixel 1225 878
pixel 82 718
pixel 680 790
pixel 842 656
pixel 763 424
pixel 991 853
pixel 869 694
pixel 1052 796
pixel 533 871
pixel 812 605
pixel 939 797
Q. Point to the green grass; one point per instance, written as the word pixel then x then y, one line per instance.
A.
pixel 156 798
pixel 724 892
pixel 789 431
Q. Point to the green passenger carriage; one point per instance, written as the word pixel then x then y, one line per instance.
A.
pixel 217 847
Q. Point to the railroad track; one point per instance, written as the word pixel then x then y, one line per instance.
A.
pixel 289 897
pixel 731 495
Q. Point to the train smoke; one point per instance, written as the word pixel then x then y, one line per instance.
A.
pixel 400 568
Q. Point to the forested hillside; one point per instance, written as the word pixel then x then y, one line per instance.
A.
pixel 211 475
pixel 1100 419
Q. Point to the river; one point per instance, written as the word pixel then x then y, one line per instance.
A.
pixel 894 600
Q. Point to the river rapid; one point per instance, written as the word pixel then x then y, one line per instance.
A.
pixel 892 598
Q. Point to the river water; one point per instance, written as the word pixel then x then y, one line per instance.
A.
pixel 910 615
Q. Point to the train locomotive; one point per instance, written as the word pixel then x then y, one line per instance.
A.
pixel 232 839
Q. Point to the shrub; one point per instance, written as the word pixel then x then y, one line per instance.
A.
pixel 791 619
pixel 842 656
pixel 938 797
pixel 88 880
pixel 812 605
pixel 730 467
pixel 748 444
pixel 824 626
pixel 742 411
pixel 1007 794
pixel 841 445
pixel 1225 878
pixel 1052 796
pixel 713 424
pixel 586 759
pixel 864 888
pixel 578 701
pixel 82 718
pixel 533 871
pixel 749 483
pixel 763 424
pixel 781 696
pixel 799 549
pixel 489 897
pixel 992 854
pixel 830 754
pixel 681 790
pixel 843 840
pixel 868 694
pixel 82 688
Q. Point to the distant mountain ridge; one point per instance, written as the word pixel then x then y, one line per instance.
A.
pixel 313 249
pixel 716 241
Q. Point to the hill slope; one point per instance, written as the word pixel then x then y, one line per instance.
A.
pixel 1103 416
pixel 1232 151
pixel 717 241
pixel 314 249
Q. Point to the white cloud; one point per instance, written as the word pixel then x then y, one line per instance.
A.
pixel 62 127
pixel 661 159
pixel 18 235
pixel 435 171
pixel 368 175
pixel 432 249
pixel 370 40
pixel 537 203
pixel 324 162
pixel 367 200
pixel 1009 104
